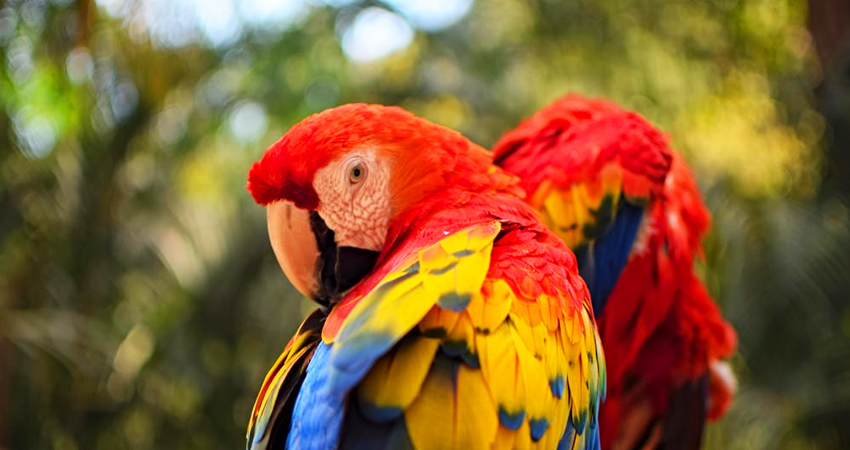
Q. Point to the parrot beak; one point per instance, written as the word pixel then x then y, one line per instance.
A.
pixel 309 256
pixel 294 245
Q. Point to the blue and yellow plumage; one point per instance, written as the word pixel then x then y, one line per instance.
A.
pixel 485 363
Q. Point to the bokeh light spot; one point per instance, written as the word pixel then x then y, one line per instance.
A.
pixel 125 98
pixel 79 66
pixel 37 134
pixel 218 21
pixel 19 59
pixel 8 23
pixel 432 15
pixel 339 3
pixel 272 13
pixel 248 122
pixel 374 34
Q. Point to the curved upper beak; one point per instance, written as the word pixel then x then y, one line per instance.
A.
pixel 294 245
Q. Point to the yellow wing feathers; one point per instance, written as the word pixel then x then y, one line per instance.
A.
pixel 472 364
pixel 578 212
pixel 396 379
pixel 455 268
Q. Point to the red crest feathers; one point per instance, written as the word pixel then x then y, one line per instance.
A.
pixel 267 186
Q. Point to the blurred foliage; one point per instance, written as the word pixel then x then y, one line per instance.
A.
pixel 141 305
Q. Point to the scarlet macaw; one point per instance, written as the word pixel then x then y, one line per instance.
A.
pixel 607 182
pixel 450 316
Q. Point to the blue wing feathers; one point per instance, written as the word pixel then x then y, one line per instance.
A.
pixel 349 364
pixel 319 410
pixel 601 262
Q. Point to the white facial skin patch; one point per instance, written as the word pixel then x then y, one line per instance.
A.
pixel 354 199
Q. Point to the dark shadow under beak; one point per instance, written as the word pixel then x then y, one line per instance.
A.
pixel 340 268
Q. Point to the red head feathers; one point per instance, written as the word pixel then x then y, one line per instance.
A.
pixel 596 133
pixel 425 155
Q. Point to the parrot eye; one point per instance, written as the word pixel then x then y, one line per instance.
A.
pixel 357 174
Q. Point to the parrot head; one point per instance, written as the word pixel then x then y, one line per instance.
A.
pixel 335 182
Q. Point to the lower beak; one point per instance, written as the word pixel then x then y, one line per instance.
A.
pixel 294 245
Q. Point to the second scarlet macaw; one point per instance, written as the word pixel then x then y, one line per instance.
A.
pixel 450 317
pixel 607 182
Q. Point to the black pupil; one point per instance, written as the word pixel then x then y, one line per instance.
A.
pixel 356 172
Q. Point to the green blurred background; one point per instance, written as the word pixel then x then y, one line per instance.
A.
pixel 141 305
